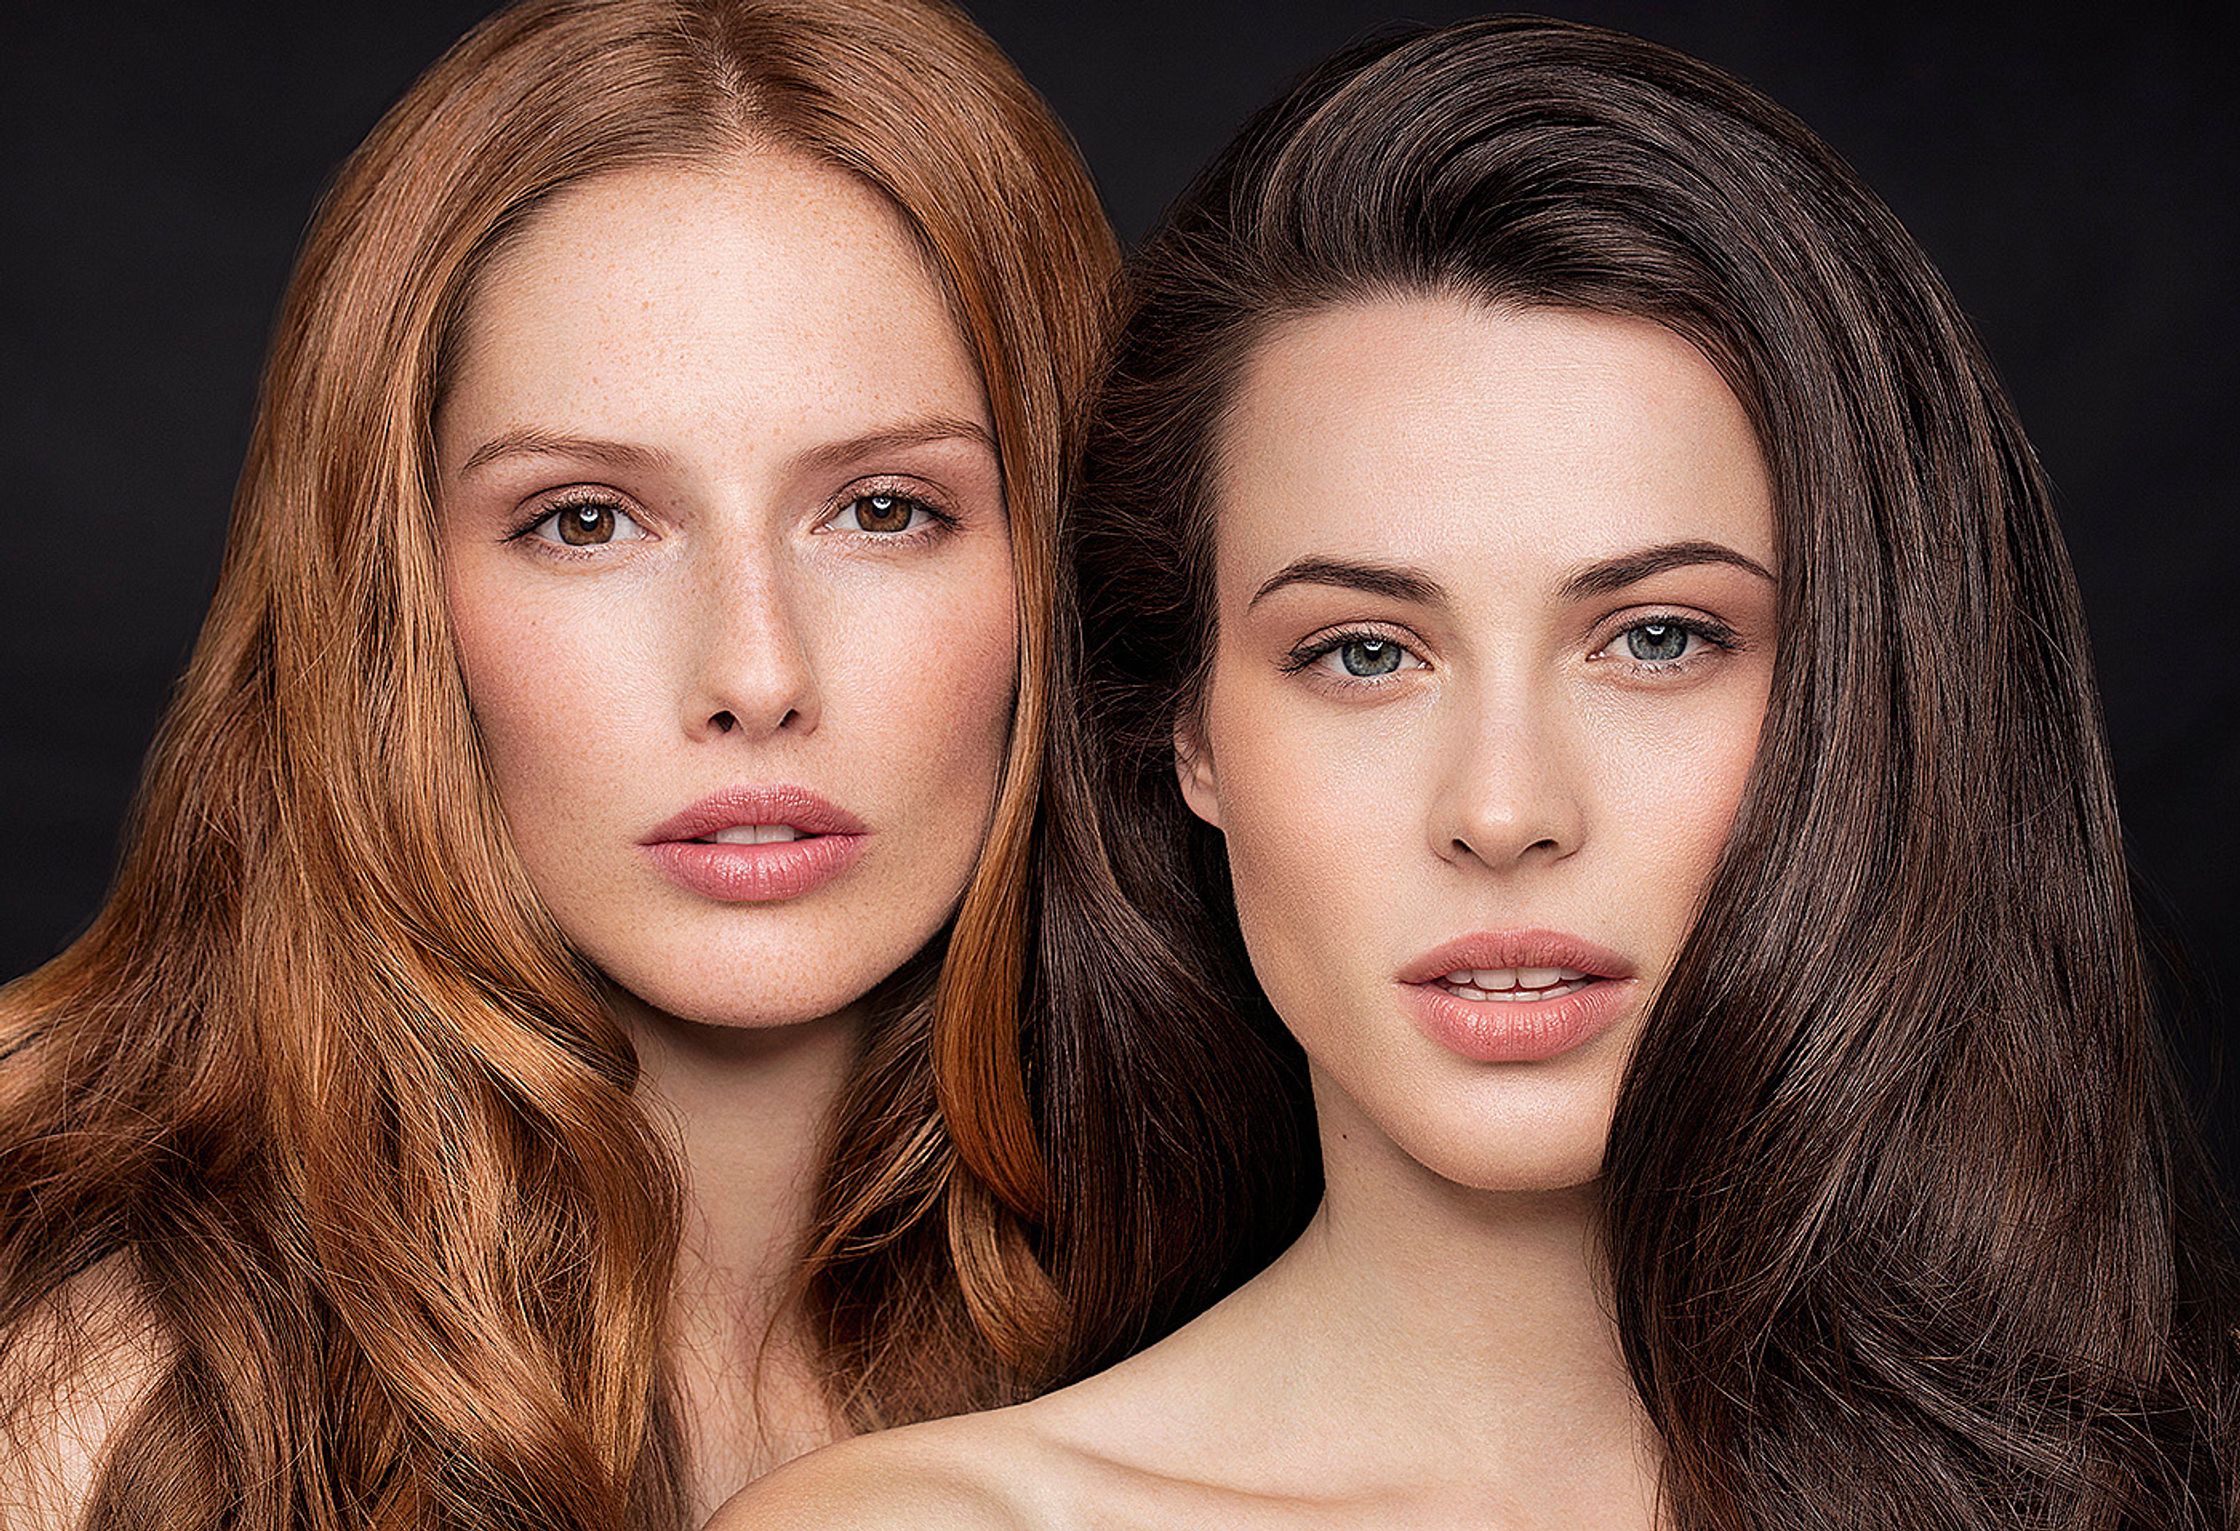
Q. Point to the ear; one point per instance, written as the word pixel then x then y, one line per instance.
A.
pixel 1193 769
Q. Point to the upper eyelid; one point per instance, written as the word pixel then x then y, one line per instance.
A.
pixel 543 507
pixel 1713 632
pixel 931 505
pixel 1330 640
pixel 1632 617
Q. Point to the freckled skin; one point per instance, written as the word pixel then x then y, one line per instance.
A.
pixel 729 324
pixel 1518 771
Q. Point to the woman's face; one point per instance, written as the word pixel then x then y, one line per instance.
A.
pixel 727 559
pixel 1496 608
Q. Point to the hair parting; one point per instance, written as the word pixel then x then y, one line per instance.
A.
pixel 1905 1219
pixel 323 1109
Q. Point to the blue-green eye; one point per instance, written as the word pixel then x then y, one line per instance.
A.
pixel 1669 644
pixel 1368 657
pixel 1657 642
pixel 1346 657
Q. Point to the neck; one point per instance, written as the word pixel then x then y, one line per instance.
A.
pixel 1469 1329
pixel 747 1109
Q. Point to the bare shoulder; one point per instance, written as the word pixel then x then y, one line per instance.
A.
pixel 70 1377
pixel 986 1472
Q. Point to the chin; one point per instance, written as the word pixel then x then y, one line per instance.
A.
pixel 798 977
pixel 1520 1145
pixel 1499 1171
pixel 744 1007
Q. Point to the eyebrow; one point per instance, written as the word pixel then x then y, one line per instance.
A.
pixel 531 442
pixel 1613 574
pixel 1402 582
pixel 1397 582
pixel 911 433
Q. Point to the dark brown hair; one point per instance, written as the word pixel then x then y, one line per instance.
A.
pixel 323 1096
pixel 1907 1225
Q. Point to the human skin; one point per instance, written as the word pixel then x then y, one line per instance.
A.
pixel 1434 1349
pixel 746 337
pixel 790 566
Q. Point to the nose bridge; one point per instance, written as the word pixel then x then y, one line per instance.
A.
pixel 1507 792
pixel 751 662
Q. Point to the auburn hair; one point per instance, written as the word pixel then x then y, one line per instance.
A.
pixel 1907 1223
pixel 322 1074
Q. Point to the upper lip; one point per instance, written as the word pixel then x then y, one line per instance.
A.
pixel 732 806
pixel 1495 949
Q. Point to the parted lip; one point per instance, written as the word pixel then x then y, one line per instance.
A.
pixel 1516 949
pixel 778 804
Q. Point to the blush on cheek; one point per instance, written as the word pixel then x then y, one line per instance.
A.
pixel 966 698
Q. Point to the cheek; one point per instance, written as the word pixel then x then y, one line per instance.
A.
pixel 1668 784
pixel 554 688
pixel 1311 806
pixel 928 672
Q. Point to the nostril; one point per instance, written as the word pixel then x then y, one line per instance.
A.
pixel 724 722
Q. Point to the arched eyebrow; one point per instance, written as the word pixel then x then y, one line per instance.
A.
pixel 824 457
pixel 1614 574
pixel 531 442
pixel 1398 582
pixel 835 455
pixel 1403 582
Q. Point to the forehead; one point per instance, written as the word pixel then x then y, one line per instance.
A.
pixel 766 284
pixel 1430 429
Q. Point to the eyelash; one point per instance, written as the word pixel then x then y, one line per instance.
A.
pixel 938 520
pixel 1314 649
pixel 574 500
pixel 1717 634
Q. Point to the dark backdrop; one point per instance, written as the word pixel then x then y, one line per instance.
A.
pixel 2072 179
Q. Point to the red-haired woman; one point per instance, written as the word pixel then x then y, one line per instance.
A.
pixel 1571 632
pixel 501 1089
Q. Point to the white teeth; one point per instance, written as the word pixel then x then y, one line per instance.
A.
pixel 1510 983
pixel 755 834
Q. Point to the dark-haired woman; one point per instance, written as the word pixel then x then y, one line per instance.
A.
pixel 1621 674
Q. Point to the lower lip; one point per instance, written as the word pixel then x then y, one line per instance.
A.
pixel 756 874
pixel 1517 1030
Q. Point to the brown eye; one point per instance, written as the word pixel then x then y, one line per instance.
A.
pixel 583 526
pixel 884 514
pixel 587 524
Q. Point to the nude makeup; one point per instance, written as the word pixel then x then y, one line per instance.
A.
pixel 1518 996
pixel 756 844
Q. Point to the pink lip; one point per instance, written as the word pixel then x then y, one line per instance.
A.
pixel 1517 1031
pixel 832 839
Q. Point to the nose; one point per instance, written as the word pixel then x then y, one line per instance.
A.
pixel 749 668
pixel 1508 794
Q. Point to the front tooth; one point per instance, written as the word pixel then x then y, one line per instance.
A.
pixel 1537 978
pixel 1495 978
pixel 1571 975
pixel 755 834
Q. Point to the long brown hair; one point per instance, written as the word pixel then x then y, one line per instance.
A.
pixel 323 1073
pixel 1906 1222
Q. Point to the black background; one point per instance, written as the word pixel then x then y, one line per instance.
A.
pixel 2070 172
